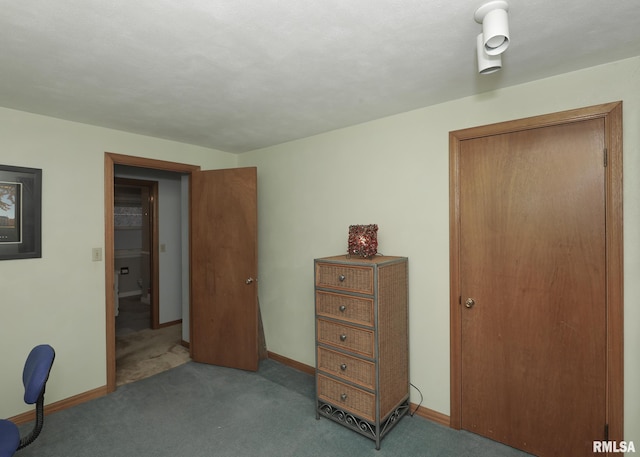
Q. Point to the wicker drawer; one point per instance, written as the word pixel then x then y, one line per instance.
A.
pixel 346 337
pixel 345 307
pixel 345 277
pixel 347 367
pixel 349 398
pixel 362 360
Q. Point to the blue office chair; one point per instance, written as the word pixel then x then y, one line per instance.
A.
pixel 34 377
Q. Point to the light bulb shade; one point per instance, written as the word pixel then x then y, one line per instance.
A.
pixel 495 29
pixel 495 26
pixel 487 64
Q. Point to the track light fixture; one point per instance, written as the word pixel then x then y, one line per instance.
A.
pixel 495 26
pixel 494 39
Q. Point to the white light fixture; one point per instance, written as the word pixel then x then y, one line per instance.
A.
pixel 495 26
pixel 487 64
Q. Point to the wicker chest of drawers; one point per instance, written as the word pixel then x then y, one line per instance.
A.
pixel 362 346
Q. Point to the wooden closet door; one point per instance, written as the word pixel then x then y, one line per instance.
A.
pixel 533 287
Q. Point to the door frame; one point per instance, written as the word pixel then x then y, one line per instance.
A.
pixel 612 115
pixel 110 160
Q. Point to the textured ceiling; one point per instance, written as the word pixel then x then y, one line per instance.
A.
pixel 239 75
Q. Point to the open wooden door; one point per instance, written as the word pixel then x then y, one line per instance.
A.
pixel 224 265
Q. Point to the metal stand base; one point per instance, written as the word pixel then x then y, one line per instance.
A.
pixel 369 429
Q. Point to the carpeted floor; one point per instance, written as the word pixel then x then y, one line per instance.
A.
pixel 198 410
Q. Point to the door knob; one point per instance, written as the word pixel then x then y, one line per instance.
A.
pixel 469 303
pixel 249 280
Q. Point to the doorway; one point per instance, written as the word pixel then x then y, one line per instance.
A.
pixel 111 160
pixel 233 305
pixel 149 325
pixel 536 281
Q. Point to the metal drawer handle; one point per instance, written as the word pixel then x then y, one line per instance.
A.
pixel 342 278
pixel 343 397
pixel 342 308
pixel 343 367
pixel 343 337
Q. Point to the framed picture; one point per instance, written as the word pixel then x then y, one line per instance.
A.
pixel 20 212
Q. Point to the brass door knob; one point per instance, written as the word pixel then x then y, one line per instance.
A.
pixel 469 303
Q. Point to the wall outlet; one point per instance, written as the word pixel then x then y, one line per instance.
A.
pixel 96 254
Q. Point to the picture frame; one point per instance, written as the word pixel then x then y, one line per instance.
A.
pixel 20 212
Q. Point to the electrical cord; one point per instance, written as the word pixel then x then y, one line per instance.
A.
pixel 421 398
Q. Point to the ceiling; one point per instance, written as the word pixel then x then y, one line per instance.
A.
pixel 238 75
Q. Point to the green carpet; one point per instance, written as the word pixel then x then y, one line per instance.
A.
pixel 197 410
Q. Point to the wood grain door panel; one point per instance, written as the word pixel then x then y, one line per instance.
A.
pixel 533 258
pixel 224 311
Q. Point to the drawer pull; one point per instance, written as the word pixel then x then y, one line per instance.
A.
pixel 343 366
pixel 343 397
pixel 343 337
pixel 342 308
pixel 342 278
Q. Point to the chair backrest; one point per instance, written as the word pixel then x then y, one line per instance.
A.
pixel 36 372
pixel 34 377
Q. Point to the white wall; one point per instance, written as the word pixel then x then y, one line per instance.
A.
pixel 60 298
pixel 394 172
